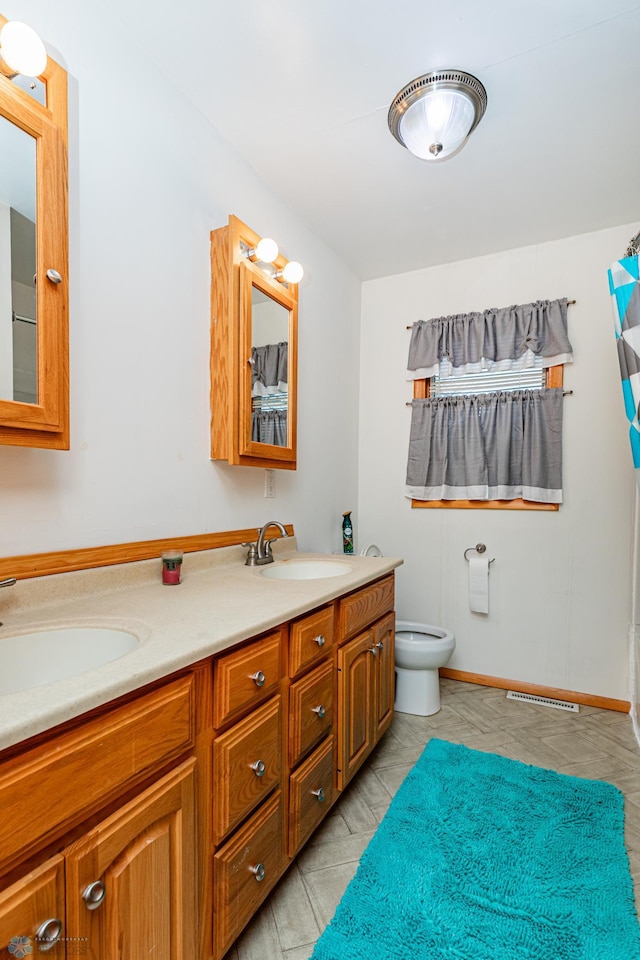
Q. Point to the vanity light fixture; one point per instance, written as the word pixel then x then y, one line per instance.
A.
pixel 266 250
pixel 21 50
pixel 434 114
pixel 292 272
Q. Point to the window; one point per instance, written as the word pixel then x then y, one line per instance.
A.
pixel 488 428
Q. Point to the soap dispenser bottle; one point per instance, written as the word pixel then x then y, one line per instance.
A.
pixel 347 533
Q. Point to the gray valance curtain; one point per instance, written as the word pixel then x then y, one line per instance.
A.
pixel 269 369
pixel 497 339
pixel 270 427
pixel 495 446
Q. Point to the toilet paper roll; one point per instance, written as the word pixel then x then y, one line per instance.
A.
pixel 479 584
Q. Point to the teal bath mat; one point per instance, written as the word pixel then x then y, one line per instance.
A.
pixel 484 858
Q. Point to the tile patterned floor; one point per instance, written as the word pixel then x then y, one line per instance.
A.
pixel 598 744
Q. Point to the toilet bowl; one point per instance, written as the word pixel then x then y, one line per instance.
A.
pixel 420 650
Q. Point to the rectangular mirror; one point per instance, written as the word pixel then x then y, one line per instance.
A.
pixel 34 348
pixel 268 323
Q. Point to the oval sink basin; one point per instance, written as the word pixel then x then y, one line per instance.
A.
pixel 44 656
pixel 306 570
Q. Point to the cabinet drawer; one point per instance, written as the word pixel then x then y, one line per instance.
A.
pixel 246 766
pixel 48 789
pixel 310 795
pixel 362 608
pixel 245 870
pixel 245 677
pixel 30 901
pixel 310 711
pixel 310 639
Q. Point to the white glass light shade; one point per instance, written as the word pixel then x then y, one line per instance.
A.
pixel 293 272
pixel 266 250
pixel 22 49
pixel 437 124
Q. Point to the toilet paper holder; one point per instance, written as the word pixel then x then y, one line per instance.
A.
pixel 479 548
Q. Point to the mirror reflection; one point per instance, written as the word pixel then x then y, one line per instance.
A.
pixel 269 369
pixel 18 339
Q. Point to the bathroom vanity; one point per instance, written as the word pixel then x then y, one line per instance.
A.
pixel 156 822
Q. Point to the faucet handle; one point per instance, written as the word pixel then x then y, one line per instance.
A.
pixel 252 554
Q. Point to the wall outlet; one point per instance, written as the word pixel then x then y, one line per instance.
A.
pixel 270 484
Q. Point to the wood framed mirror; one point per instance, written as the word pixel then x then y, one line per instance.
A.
pixel 254 354
pixel 34 272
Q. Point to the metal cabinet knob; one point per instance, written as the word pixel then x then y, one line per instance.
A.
pixel 319 710
pixel 258 871
pixel 320 640
pixel 319 793
pixel 380 645
pixel 374 651
pixel 258 768
pixel 94 894
pixel 258 678
pixel 48 934
pixel 54 276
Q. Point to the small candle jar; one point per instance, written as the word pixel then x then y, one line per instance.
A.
pixel 171 566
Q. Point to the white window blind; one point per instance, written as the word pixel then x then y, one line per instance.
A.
pixel 487 381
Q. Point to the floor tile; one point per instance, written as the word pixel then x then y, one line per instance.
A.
pixel 594 743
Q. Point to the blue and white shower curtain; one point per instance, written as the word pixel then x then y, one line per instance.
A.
pixel 624 287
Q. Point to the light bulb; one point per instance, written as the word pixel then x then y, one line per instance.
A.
pixel 266 250
pixel 293 272
pixel 22 49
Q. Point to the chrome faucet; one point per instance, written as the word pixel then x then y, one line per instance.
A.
pixel 9 582
pixel 260 552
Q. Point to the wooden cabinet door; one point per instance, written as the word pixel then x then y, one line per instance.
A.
pixel 383 638
pixel 144 856
pixel 356 665
pixel 33 906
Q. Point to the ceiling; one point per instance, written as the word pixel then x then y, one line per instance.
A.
pixel 301 89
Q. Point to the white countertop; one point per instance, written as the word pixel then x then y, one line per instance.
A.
pixel 219 603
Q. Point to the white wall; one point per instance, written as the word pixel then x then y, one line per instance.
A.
pixel 149 178
pixel 560 589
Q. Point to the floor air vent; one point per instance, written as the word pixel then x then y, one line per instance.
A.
pixel 543 701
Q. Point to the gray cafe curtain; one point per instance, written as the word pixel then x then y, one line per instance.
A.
pixel 495 446
pixel 269 369
pixel 496 339
pixel 270 427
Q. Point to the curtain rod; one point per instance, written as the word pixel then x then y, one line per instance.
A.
pixel 565 393
pixel 569 304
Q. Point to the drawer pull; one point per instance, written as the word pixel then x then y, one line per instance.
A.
pixel 258 678
pixel 374 651
pixel 258 871
pixel 320 711
pixel 48 934
pixel 258 768
pixel 319 640
pixel 319 793
pixel 380 645
pixel 94 894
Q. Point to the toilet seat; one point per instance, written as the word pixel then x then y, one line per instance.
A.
pixel 422 646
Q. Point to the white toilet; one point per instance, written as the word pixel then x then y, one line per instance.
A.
pixel 420 650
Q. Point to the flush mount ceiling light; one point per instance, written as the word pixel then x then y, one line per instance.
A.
pixel 434 114
pixel 21 50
